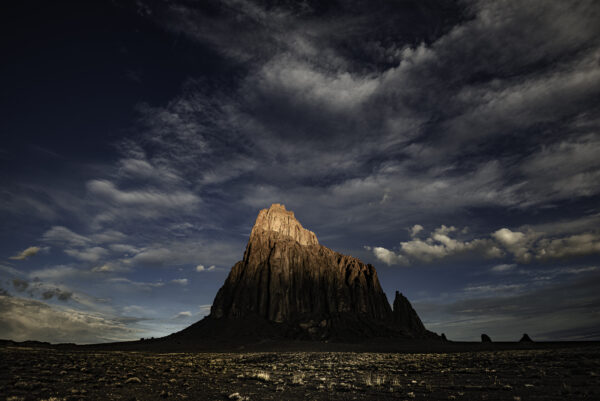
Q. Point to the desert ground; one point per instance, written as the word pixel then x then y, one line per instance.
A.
pixel 38 373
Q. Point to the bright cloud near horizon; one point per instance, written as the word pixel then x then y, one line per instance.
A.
pixel 454 145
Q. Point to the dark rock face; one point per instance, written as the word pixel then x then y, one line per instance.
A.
pixel 292 284
pixel 525 339
pixel 485 338
pixel 405 316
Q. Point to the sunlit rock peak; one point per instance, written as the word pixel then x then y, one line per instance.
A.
pixel 288 285
pixel 278 219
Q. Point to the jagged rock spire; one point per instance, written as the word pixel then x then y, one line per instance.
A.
pixel 405 316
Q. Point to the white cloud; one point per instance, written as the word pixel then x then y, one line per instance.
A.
pixel 148 202
pixel 63 236
pixel 57 273
pixel 568 226
pixel 205 309
pixel 201 268
pixel 107 267
pixel 153 256
pixel 517 243
pixel 11 271
pixel 124 249
pixel 87 254
pixel 440 245
pixel 571 246
pixel 178 252
pixel 305 82
pixel 180 281
pixel 146 286
pixel 579 173
pixel 143 198
pixel 494 289
pixel 31 251
pixel 183 315
pixel 503 267
pixel 388 257
pixel 507 237
pixel 108 236
pixel 416 229
pixel 141 168
pixel 136 310
pixel 523 246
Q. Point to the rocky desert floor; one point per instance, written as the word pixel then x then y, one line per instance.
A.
pixel 55 374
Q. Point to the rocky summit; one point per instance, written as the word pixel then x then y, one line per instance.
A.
pixel 288 285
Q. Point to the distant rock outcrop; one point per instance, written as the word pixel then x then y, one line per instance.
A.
pixel 291 286
pixel 525 339
pixel 485 338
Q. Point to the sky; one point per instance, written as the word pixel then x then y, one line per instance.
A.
pixel 454 145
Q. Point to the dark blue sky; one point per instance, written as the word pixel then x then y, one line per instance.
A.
pixel 453 144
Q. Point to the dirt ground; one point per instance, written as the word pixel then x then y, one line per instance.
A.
pixel 55 374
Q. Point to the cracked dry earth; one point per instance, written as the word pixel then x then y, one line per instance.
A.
pixel 51 374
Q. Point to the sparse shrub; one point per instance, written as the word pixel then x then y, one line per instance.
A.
pixel 298 378
pixel 374 380
pixel 263 376
pixel 238 397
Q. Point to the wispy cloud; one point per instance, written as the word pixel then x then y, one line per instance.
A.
pixel 27 319
pixel 146 286
pixel 64 236
pixel 504 267
pixel 141 198
pixel 88 254
pixel 26 253
pixel 183 315
pixel 374 127
pixel 505 311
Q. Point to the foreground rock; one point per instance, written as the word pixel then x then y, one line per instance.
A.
pixel 288 285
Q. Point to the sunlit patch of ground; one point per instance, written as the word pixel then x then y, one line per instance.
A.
pixel 49 374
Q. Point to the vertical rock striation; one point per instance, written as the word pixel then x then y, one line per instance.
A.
pixel 305 290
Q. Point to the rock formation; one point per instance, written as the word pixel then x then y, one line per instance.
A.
pixel 292 286
pixel 525 339
pixel 405 316
pixel 485 338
